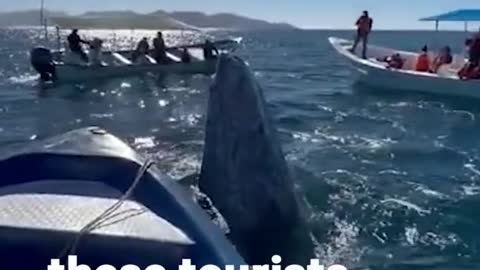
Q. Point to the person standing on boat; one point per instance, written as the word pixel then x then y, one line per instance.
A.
pixel 159 49
pixel 74 43
pixel 364 27
pixel 208 49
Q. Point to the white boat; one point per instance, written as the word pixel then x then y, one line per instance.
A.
pixel 377 74
pixel 69 68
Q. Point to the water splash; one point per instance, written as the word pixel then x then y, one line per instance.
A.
pixel 408 205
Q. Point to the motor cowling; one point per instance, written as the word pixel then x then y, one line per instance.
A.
pixel 42 61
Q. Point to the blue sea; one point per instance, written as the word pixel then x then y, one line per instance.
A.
pixel 393 179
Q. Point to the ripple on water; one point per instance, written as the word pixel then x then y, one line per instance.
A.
pixel 408 205
pixel 385 174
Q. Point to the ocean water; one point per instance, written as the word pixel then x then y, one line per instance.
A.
pixel 393 180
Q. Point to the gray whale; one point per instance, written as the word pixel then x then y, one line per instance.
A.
pixel 245 174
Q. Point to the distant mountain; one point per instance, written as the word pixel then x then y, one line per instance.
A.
pixel 126 19
pixel 226 20
pixel 121 20
pixel 115 13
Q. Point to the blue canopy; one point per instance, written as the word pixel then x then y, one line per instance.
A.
pixel 461 15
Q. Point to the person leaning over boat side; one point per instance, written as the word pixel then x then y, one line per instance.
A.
pixel 74 43
pixel 186 56
pixel 444 58
pixel 473 48
pixel 364 27
pixel 474 51
pixel 159 49
pixel 208 49
pixel 423 62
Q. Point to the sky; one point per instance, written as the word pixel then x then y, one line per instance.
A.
pixel 319 14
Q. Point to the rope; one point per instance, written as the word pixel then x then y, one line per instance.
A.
pixel 105 218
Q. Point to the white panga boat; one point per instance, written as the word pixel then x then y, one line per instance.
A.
pixel 377 74
pixel 69 68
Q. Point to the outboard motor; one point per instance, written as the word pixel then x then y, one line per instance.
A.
pixel 42 61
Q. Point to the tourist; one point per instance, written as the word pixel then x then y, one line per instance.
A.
pixel 159 49
pixel 475 73
pixel 186 56
pixel 469 71
pixel 444 58
pixel 395 61
pixel 143 47
pixel 95 51
pixel 142 50
pixel 364 27
pixel 423 62
pixel 208 49
pixel 474 49
pixel 74 43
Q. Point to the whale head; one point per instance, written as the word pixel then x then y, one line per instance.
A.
pixel 244 171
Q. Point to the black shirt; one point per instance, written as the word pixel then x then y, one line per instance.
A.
pixel 159 44
pixel 185 57
pixel 208 49
pixel 74 41
pixel 475 50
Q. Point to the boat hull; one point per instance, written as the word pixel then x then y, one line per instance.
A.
pixel 78 73
pixel 70 68
pixel 53 188
pixel 375 74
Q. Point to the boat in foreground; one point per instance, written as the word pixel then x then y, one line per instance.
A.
pixel 87 193
pixel 70 69
pixel 377 74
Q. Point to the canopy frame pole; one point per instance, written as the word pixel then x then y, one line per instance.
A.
pixel 59 42
pixel 435 40
pixel 42 3
pixel 43 19
pixel 114 45
pixel 465 50
pixel 132 39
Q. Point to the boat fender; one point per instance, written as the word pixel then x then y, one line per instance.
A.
pixel 42 61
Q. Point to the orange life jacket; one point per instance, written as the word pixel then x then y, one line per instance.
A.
pixel 423 63
pixel 363 24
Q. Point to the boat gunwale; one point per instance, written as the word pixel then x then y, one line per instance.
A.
pixel 89 66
